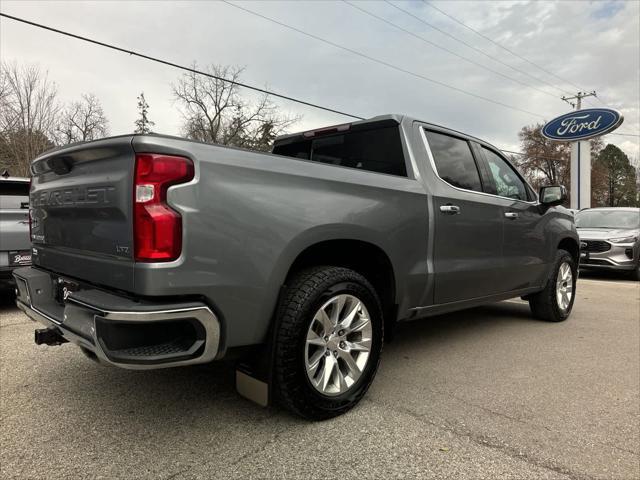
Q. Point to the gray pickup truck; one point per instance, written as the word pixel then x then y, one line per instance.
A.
pixel 152 251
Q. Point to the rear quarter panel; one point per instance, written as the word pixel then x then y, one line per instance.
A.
pixel 247 216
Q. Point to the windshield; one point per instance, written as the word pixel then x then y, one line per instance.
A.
pixel 622 219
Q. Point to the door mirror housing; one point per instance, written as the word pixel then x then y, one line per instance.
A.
pixel 553 195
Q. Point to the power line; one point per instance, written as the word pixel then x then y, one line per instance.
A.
pixel 531 156
pixel 451 52
pixel 193 70
pixel 175 65
pixel 381 62
pixel 495 59
pixel 428 3
pixel 624 134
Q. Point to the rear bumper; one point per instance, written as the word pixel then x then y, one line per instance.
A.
pixel 6 276
pixel 119 331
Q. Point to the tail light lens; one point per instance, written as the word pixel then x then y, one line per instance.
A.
pixel 157 227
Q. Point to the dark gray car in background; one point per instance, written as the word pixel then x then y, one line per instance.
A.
pixel 152 251
pixel 610 239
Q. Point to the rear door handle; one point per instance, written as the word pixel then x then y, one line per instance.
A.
pixel 450 209
pixel 511 215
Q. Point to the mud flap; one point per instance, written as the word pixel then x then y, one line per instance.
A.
pixel 253 376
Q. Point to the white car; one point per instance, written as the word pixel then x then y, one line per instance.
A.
pixel 610 239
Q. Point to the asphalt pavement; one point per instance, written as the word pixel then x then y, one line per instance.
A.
pixel 484 393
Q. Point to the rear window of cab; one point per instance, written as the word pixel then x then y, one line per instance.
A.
pixel 376 150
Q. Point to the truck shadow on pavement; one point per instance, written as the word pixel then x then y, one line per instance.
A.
pixel 606 275
pixel 7 299
pixel 204 395
pixel 464 323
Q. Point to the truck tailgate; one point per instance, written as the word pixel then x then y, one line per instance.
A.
pixel 81 210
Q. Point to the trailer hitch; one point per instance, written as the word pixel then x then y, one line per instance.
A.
pixel 49 336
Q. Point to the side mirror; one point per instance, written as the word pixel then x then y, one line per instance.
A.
pixel 553 195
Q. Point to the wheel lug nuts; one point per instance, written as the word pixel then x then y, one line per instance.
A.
pixel 335 353
pixel 327 353
pixel 326 337
pixel 342 344
pixel 341 333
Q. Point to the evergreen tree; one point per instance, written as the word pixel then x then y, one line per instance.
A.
pixel 143 124
pixel 613 180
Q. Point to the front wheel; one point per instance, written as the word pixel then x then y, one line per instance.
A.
pixel 555 302
pixel 635 275
pixel 328 341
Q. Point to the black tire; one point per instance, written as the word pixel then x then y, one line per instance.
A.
pixel 304 294
pixel 635 275
pixel 544 304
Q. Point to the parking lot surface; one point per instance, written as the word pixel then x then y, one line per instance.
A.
pixel 484 393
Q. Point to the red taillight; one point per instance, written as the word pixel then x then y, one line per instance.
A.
pixel 157 227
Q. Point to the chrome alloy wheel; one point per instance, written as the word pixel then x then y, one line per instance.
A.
pixel 338 345
pixel 564 286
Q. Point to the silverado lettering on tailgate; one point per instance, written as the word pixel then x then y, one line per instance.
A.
pixel 66 197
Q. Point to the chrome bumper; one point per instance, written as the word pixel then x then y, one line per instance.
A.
pixel 94 327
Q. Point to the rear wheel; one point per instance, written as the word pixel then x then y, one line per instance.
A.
pixel 328 342
pixel 555 302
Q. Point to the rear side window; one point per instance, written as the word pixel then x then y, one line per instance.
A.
pixel 377 150
pixel 454 161
pixel 296 150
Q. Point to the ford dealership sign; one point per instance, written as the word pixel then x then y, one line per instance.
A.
pixel 582 124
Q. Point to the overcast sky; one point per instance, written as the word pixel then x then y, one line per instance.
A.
pixel 592 45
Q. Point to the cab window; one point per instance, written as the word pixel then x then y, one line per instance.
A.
pixel 454 161
pixel 377 149
pixel 507 182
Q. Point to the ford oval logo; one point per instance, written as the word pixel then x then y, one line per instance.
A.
pixel 582 124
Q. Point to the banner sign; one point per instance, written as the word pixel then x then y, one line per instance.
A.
pixel 582 124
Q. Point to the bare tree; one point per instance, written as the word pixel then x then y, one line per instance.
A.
pixel 29 113
pixel 143 124
pixel 547 162
pixel 83 121
pixel 214 111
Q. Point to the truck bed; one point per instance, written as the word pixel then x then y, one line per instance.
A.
pixel 246 216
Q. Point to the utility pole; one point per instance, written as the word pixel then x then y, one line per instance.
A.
pixel 578 98
pixel 580 161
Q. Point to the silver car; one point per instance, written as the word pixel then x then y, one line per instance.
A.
pixel 15 245
pixel 610 239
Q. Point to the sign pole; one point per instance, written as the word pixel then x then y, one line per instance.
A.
pixel 580 163
pixel 577 127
